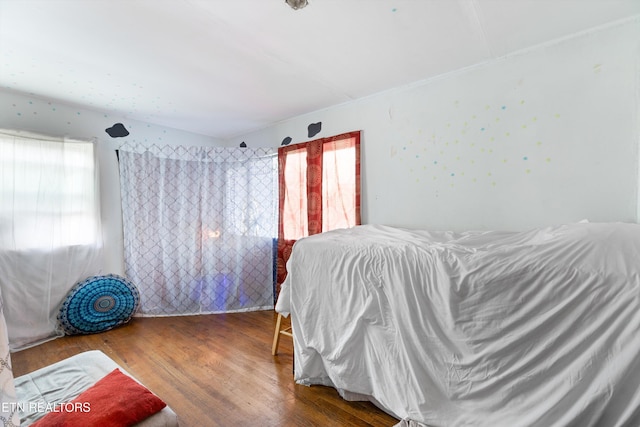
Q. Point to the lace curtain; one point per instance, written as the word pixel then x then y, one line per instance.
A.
pixel 199 227
pixel 50 231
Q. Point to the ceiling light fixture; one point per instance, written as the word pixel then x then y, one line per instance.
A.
pixel 297 4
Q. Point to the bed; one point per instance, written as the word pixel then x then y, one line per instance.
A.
pixel 492 328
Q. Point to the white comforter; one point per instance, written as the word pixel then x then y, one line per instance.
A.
pixel 538 328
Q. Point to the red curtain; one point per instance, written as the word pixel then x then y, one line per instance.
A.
pixel 319 190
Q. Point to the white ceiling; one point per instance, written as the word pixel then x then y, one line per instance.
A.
pixel 228 67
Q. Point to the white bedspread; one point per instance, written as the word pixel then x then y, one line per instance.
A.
pixel 538 328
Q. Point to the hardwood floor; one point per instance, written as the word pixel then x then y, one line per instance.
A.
pixel 214 370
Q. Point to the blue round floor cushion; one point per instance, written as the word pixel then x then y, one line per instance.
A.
pixel 97 304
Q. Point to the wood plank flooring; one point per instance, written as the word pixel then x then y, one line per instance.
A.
pixel 214 370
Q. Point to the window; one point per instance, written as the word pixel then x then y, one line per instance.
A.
pixel 250 204
pixel 336 173
pixel 48 195
pixel 319 190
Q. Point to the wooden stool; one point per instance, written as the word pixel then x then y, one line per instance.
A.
pixel 278 332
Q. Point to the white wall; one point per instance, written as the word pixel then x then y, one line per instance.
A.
pixel 541 137
pixel 37 115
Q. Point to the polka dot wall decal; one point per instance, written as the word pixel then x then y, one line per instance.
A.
pixel 456 138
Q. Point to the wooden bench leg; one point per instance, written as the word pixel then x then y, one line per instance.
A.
pixel 276 336
pixel 277 333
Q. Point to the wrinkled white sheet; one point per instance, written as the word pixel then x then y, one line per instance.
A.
pixel 537 328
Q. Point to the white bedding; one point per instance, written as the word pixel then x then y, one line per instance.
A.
pixel 537 328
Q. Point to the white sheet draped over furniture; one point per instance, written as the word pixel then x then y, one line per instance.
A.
pixel 537 328
pixel 9 414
